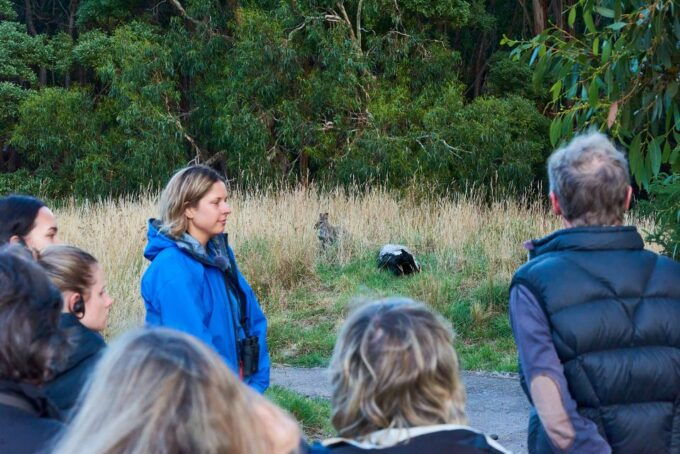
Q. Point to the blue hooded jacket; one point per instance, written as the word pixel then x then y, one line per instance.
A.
pixel 185 288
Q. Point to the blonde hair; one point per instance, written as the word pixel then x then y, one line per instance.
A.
pixel 185 189
pixel 161 391
pixel 70 269
pixel 394 366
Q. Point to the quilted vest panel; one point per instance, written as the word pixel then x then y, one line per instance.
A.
pixel 614 313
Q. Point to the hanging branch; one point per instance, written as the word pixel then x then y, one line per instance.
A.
pixel 198 153
pixel 361 2
pixel 345 16
pixel 197 22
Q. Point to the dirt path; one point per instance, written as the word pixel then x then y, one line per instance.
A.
pixel 495 403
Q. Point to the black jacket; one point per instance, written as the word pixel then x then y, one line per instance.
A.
pixel 440 439
pixel 71 377
pixel 28 423
pixel 614 314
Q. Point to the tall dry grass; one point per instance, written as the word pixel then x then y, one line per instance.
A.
pixel 273 236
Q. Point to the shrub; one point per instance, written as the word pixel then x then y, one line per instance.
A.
pixel 22 182
pixel 499 143
pixel 664 208
pixel 509 77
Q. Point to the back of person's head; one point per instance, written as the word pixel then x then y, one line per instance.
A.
pixel 162 391
pixel 17 215
pixel 590 179
pixel 394 366
pixel 72 270
pixel 30 339
pixel 185 189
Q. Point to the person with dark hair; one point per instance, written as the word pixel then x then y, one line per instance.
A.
pixel 26 220
pixel 80 278
pixel 193 283
pixel 30 347
pixel 596 317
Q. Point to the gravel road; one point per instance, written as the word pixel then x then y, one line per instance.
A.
pixel 495 403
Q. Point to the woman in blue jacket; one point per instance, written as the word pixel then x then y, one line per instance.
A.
pixel 193 283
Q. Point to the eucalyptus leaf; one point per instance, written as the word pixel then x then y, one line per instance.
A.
pixel 572 16
pixel 605 12
pixel 654 156
pixel 588 19
pixel 616 26
pixel 606 51
pixel 555 130
pixel 593 93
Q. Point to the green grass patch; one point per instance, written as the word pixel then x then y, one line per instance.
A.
pixel 303 331
pixel 313 414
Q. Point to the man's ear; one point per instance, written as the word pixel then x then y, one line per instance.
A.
pixel 555 203
pixel 629 197
pixel 15 239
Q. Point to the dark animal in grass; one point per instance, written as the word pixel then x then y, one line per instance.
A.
pixel 398 259
pixel 328 234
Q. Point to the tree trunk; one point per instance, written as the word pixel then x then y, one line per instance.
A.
pixel 30 25
pixel 71 27
pixel 557 9
pixel 540 15
pixel 526 19
pixel 480 65
pixel 304 169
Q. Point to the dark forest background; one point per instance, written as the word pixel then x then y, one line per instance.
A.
pixel 104 97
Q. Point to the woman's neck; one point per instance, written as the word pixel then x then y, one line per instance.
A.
pixel 199 236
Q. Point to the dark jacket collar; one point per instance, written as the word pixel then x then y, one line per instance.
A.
pixel 85 342
pixel 31 397
pixel 589 238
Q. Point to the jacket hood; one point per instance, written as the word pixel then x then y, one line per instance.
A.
pixel 156 240
pixel 216 252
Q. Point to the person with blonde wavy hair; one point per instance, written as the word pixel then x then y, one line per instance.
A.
pixel 193 283
pixel 396 386
pixel 161 391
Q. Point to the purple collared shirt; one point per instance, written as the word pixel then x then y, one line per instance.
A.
pixel 538 356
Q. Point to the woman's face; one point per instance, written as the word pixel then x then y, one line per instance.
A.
pixel 44 231
pixel 98 302
pixel 208 218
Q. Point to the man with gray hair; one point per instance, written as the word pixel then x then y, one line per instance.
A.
pixel 596 317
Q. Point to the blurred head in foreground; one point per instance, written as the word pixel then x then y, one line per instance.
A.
pixel 163 391
pixel 30 340
pixel 394 366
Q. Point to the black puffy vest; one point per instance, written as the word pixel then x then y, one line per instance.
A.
pixel 614 313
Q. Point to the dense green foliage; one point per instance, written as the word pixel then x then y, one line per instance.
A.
pixel 664 209
pixel 615 66
pixel 107 96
